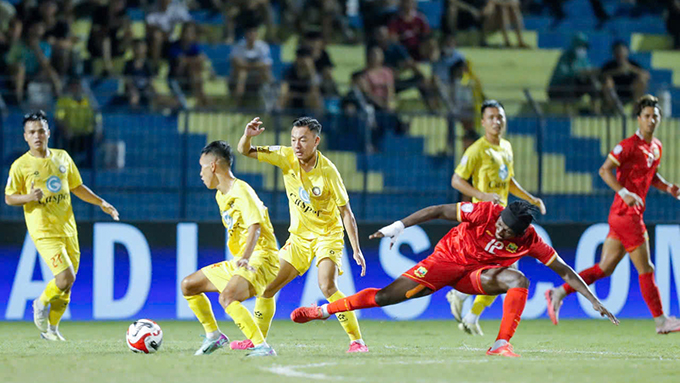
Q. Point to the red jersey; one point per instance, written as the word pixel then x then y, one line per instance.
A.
pixel 474 240
pixel 637 163
pixel 410 33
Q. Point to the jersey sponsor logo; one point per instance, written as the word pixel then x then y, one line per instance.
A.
pixel 304 196
pixel 649 155
pixel 305 207
pixel 617 150
pixel 228 220
pixel 511 247
pixel 420 272
pixel 316 191
pixel 53 184
pixel 503 172
pixel 62 168
pixel 467 207
pixel 497 185
pixel 57 198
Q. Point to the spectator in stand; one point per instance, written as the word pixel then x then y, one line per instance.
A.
pixel 111 33
pixel 77 124
pixel 251 63
pixel 322 63
pixel 139 91
pixel 160 25
pixel 58 34
pixel 461 15
pixel 187 63
pixel 10 35
pixel 374 14
pixel 410 28
pixel 327 15
pixel 598 9
pixel 626 77
pixel 498 14
pixel 300 85
pixel 29 60
pixel 240 14
pixel 672 17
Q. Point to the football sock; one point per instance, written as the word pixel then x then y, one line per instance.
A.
pixel 264 311
pixel 650 293
pixel 361 300
pixel 58 307
pixel 589 276
pixel 481 302
pixel 515 300
pixel 245 322
pixel 51 292
pixel 348 319
pixel 461 296
pixel 200 305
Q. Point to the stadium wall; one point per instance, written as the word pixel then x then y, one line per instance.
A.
pixel 133 271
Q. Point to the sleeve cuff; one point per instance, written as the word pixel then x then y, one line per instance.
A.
pixel 611 157
pixel 551 260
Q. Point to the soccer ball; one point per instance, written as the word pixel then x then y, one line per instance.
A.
pixel 144 336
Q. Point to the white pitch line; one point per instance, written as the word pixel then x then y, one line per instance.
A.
pixel 293 371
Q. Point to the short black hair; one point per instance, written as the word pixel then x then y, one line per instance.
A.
pixel 644 102
pixel 491 104
pixel 524 211
pixel 220 149
pixel 35 116
pixel 311 123
pixel 619 43
pixel 303 51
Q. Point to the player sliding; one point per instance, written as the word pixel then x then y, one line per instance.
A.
pixel 636 160
pixel 473 258
pixel 42 181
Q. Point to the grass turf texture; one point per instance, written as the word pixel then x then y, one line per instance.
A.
pixel 423 351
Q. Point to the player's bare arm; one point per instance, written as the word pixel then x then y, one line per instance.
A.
pixel 607 175
pixel 448 212
pixel 463 186
pixel 251 241
pixel 254 128
pixel 35 194
pixel 353 233
pixel 518 191
pixel 575 281
pixel 87 195
pixel 660 183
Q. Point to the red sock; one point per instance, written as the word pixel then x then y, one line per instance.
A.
pixel 650 293
pixel 361 300
pixel 589 276
pixel 515 300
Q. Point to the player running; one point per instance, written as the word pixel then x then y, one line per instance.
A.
pixel 42 181
pixel 319 205
pixel 489 161
pixel 251 242
pixel 473 258
pixel 636 160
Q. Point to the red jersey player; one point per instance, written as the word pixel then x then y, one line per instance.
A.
pixel 474 258
pixel 636 160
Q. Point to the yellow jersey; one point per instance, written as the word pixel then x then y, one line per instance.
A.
pixel 314 197
pixel 56 175
pixel 490 167
pixel 241 208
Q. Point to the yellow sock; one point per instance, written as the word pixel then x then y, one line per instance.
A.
pixel 200 305
pixel 50 293
pixel 348 319
pixel 265 308
pixel 481 302
pixel 58 307
pixel 245 322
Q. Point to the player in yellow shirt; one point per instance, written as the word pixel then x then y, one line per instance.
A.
pixel 489 161
pixel 42 181
pixel 251 242
pixel 319 205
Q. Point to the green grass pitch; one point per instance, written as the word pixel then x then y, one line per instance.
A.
pixel 419 351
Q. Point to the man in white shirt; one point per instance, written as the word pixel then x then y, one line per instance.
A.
pixel 160 25
pixel 251 62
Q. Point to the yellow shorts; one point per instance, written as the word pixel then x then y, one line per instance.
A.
pixel 59 253
pixel 265 263
pixel 300 252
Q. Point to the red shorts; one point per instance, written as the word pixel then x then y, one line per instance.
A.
pixel 438 271
pixel 630 230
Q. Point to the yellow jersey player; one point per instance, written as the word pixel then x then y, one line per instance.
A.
pixel 319 205
pixel 251 242
pixel 42 181
pixel 489 162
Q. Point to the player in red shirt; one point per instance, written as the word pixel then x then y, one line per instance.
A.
pixel 636 160
pixel 472 258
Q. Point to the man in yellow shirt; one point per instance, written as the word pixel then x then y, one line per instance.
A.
pixel 489 162
pixel 319 205
pixel 251 242
pixel 42 181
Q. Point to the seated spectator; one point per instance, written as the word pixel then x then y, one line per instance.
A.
pixel 111 33
pixel 322 63
pixel 374 14
pixel 139 91
pixel 239 14
pixel 29 61
pixel 447 69
pixel 300 85
pixel 77 128
pixel 573 75
pixel 160 25
pixel 410 28
pixel 672 26
pixel 497 15
pixel 461 15
pixel 625 76
pixel 597 6
pixel 9 37
pixel 396 57
pixel 328 15
pixel 251 66
pixel 186 63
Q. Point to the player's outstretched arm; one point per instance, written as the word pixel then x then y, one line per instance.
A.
pixel 253 235
pixel 518 191
pixel 460 184
pixel 574 280
pixel 350 223
pixel 607 175
pixel 253 129
pixel 665 186
pixel 448 212
pixel 87 195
